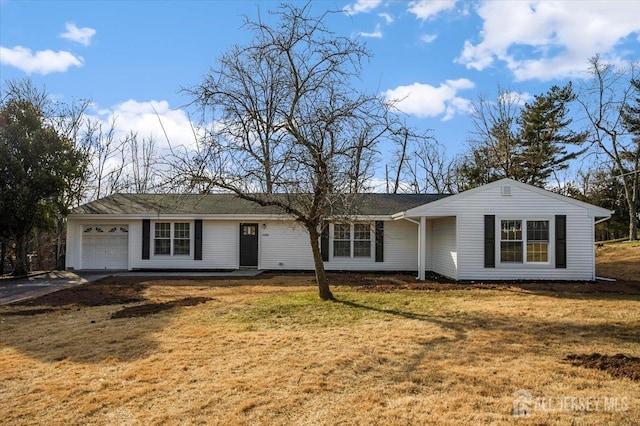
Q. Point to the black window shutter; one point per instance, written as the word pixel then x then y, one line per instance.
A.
pixel 489 241
pixel 146 238
pixel 379 241
pixel 561 241
pixel 324 243
pixel 197 249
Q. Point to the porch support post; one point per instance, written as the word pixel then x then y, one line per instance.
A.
pixel 422 256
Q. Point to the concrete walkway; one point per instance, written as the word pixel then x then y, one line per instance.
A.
pixel 15 290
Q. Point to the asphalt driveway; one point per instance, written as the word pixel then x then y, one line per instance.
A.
pixel 14 290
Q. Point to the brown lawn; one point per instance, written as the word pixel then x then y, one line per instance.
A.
pixel 267 351
pixel 620 261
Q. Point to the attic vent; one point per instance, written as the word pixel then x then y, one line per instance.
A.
pixel 506 190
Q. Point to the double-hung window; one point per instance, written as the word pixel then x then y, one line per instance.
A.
pixel 537 241
pixel 341 240
pixel 361 240
pixel 351 240
pixel 162 239
pixel 524 241
pixel 172 238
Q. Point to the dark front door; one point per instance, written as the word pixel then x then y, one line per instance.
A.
pixel 249 244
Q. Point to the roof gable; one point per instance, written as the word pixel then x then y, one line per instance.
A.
pixel 424 210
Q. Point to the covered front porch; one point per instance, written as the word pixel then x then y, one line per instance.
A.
pixel 437 243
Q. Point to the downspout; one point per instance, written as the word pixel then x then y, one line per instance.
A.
pixel 423 245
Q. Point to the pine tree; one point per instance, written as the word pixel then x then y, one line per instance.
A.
pixel 631 122
pixel 545 136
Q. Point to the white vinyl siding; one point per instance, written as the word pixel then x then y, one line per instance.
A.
pixel 454 243
pixel 527 204
pixel 443 247
pixel 283 245
pixel 220 247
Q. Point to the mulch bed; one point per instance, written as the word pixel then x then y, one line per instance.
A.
pixel 28 312
pixel 100 293
pixel 123 290
pixel 154 308
pixel 618 365
pixel 118 290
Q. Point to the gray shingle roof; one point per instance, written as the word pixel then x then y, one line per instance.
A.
pixel 213 204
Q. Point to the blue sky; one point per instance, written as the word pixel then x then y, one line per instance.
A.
pixel 132 57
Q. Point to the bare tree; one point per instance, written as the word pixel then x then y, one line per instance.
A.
pixel 494 141
pixel 107 158
pixel 420 163
pixel 290 130
pixel 430 169
pixel 603 99
pixel 142 173
pixel 401 138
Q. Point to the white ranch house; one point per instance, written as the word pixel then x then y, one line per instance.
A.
pixel 501 231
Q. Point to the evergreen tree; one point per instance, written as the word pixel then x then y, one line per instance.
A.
pixel 545 137
pixel 37 165
pixel 631 157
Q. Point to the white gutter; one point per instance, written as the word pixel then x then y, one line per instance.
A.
pixel 602 220
pixel 411 220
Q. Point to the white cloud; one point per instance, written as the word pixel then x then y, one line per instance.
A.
pixel 515 98
pixel 424 100
pixel 79 35
pixel 42 62
pixel 428 38
pixel 425 9
pixel 362 6
pixel 547 40
pixel 377 33
pixel 387 18
pixel 148 119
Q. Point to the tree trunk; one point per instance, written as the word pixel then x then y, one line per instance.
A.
pixel 321 277
pixel 3 252
pixel 20 267
pixel 633 221
pixel 60 229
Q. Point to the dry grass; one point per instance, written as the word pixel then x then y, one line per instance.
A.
pixel 621 260
pixel 268 352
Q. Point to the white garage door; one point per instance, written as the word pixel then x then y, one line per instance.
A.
pixel 105 247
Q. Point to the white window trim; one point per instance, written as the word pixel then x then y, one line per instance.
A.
pixel 352 240
pixel 525 219
pixel 171 254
